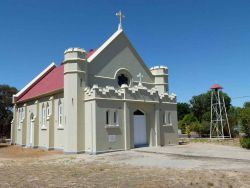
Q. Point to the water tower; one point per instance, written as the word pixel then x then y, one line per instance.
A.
pixel 219 120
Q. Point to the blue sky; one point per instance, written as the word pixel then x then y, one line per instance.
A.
pixel 201 42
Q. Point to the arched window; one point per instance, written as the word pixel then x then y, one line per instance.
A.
pixel 60 113
pixel 43 115
pixel 47 110
pixel 107 117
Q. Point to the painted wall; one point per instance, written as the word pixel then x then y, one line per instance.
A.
pixel 59 138
pixel 109 136
pixel 169 133
pixel 49 136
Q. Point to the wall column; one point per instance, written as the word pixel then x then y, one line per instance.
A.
pixel 157 126
pixel 13 127
pixel 24 126
pixel 126 122
pixel 51 124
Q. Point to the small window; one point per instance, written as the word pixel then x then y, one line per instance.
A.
pixel 60 113
pixel 22 114
pixel 115 118
pixel 31 117
pixel 169 118
pixel 165 118
pixel 43 115
pixel 107 117
pixel 19 118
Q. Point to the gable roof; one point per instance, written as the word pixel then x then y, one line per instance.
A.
pixel 104 45
pixel 50 80
pixel 109 41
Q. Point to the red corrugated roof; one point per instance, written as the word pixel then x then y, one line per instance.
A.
pixel 90 53
pixel 216 86
pixel 49 83
pixel 52 81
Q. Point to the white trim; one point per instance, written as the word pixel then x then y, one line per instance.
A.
pixel 167 125
pixel 96 76
pixel 52 65
pixel 111 126
pixel 104 45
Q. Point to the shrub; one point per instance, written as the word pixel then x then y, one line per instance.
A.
pixel 245 142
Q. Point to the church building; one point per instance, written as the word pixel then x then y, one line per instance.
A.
pixel 97 101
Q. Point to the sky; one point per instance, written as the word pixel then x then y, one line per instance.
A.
pixel 202 42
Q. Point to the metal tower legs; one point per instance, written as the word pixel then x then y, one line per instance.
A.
pixel 219 119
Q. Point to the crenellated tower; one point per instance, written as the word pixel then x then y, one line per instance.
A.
pixel 161 78
pixel 75 68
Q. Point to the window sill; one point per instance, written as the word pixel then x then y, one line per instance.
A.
pixel 19 129
pixel 111 126
pixel 60 128
pixel 167 125
pixel 43 128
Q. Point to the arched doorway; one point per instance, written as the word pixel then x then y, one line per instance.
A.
pixel 31 135
pixel 140 131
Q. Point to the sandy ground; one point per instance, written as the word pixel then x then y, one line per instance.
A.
pixel 191 165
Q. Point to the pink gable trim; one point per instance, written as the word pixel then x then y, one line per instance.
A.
pixel 51 82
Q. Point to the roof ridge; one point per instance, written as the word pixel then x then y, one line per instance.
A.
pixel 104 45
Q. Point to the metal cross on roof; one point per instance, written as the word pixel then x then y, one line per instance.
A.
pixel 120 15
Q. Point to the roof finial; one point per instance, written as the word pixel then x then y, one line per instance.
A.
pixel 120 15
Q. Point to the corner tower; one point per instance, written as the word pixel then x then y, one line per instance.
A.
pixel 75 68
pixel 161 78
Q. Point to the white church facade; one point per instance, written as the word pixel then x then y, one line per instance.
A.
pixel 98 101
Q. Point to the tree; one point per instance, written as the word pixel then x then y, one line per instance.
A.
pixel 245 120
pixel 188 123
pixel 201 104
pixel 182 110
pixel 234 119
pixel 6 115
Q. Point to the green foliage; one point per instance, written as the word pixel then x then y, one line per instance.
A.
pixel 245 120
pixel 196 116
pixel 182 110
pixel 188 123
pixel 201 104
pixel 234 119
pixel 205 128
pixel 6 105
pixel 245 142
pixel 247 105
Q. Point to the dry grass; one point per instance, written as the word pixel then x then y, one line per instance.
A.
pixel 39 170
pixel 18 152
pixel 226 142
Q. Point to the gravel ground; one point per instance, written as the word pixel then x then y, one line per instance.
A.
pixel 192 165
